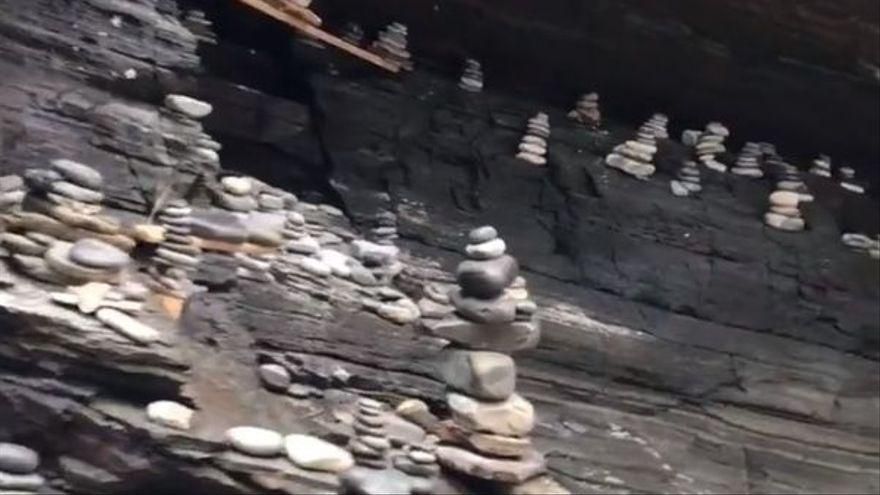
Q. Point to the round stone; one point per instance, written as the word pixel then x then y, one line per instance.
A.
pixel 98 254
pixel 255 441
pixel 312 453
pixel 171 414
pixel 18 459
pixel 79 174
pixel 239 186
pixel 486 250
pixel 482 234
pixel 275 377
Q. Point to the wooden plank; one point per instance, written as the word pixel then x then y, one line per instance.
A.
pixel 319 34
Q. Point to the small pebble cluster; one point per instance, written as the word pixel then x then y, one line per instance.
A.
pixel 586 111
pixel 747 162
pixel 472 77
pixel 18 470
pixel 392 44
pixel 533 147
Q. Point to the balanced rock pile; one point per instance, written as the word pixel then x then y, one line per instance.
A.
pixel 273 200
pixel 353 33
pixel 419 461
pixel 236 194
pixel 384 228
pixel 296 237
pixel 472 77
pixel 586 111
pixel 533 147
pixel 255 267
pixel 178 255
pixel 821 166
pixel 848 180
pixel 636 157
pixel 747 164
pixel 784 213
pixel 688 181
pixel 186 140
pixel 18 466
pixel 489 324
pixel 659 123
pixel 788 178
pixel 12 193
pixel 862 243
pixel 392 45
pixel 710 144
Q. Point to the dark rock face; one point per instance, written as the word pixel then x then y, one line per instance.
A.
pixel 685 346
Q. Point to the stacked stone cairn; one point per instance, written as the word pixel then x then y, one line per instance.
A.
pixel 747 162
pixel 533 147
pixel 688 181
pixel 586 111
pixel 848 180
pixel 491 321
pixel 236 194
pixel 271 200
pixel 18 470
pixel 392 45
pixel 636 156
pixel 353 33
pixel 186 140
pixel 12 193
pixel 297 240
pixel 821 166
pixel 472 77
pixel 862 243
pixel 711 144
pixel 178 255
pixel 784 213
pixel 659 123
pixel 788 178
pixel 384 228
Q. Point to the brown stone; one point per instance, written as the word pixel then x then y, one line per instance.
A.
pixel 499 445
pixel 514 416
pixel 487 468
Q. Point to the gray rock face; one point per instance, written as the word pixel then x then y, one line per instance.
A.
pixel 486 279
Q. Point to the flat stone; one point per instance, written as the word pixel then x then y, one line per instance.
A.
pixel 486 279
pixel 678 189
pixel 535 149
pixel 498 310
pixel 499 445
pixel 73 191
pixel 275 377
pixel 315 267
pixel 271 202
pixel 177 258
pixel 306 245
pixel 219 226
pixel 149 234
pixel 502 470
pixel 785 223
pixel 401 312
pixel 431 309
pixel 362 276
pixel 58 259
pixel 365 481
pixel 127 326
pixel 98 254
pixel 95 223
pixel 37 268
pixel 532 158
pixel 481 374
pixel 482 234
pixel 18 459
pixel 378 443
pixel 25 482
pixel 373 254
pixel 255 441
pixel 787 211
pixel 79 174
pixel 417 412
pixel 170 414
pixel 784 198
pixel 513 416
pixel 412 468
pixel 21 244
pixel 11 183
pixel 233 202
pixel 191 107
pixel 90 296
pixel 312 453
pixel 504 337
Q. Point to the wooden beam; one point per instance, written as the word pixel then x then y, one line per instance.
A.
pixel 319 34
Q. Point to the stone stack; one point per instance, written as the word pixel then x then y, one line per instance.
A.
pixel 586 111
pixel 384 229
pixel 271 200
pixel 862 243
pixel 196 21
pixel 297 240
pixel 822 166
pixel 370 446
pixel 178 254
pixel 747 162
pixel 784 213
pixel 848 180
pixel 489 323
pixel 12 193
pixel 236 194
pixel 636 156
pixel 392 45
pixel 380 262
pixel 255 267
pixel 788 178
pixel 353 33
pixel 658 123
pixel 710 144
pixel 185 138
pixel 688 181
pixel 18 470
pixel 533 147
pixel 419 461
pixel 472 77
